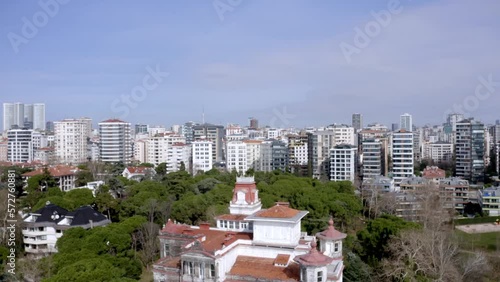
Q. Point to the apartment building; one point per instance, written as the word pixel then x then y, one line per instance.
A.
pixel 343 163
pixel 437 151
pixel 213 133
pixel 116 141
pixel 64 175
pixel 71 138
pixel 489 199
pixel 470 150
pixel 202 155
pixel 374 158
pixel 20 145
pixel 179 154
pixel 402 156
pixel 236 156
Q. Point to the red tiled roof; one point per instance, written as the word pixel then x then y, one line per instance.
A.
pixel 249 189
pixel 139 169
pixel 263 268
pixel 278 212
pixel 331 233
pixel 433 172
pixel 282 259
pixel 313 258
pixel 55 171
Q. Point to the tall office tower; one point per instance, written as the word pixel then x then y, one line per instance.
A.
pixel 71 140
pixel 405 122
pixel 372 158
pixel 116 141
pixel 470 150
pixel 402 156
pixel 13 116
pixel 343 163
pixel 28 114
pixel 39 116
pixel 20 145
pixel 357 121
pixel 254 123
pixel 213 133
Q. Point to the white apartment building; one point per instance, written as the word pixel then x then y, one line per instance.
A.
pixel 39 116
pixel 437 151
pixel 157 147
pixel 71 140
pixel 253 157
pixel 406 122
pixel 140 150
pixel 236 156
pixel 202 155
pixel 20 145
pixel 343 163
pixel 178 154
pixel 116 141
pixel 344 135
pixel 402 156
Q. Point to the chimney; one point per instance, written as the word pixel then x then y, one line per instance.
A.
pixel 204 226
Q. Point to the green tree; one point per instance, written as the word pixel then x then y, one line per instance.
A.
pixel 83 177
pixel 161 169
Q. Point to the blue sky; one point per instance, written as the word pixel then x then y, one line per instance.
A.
pixel 261 58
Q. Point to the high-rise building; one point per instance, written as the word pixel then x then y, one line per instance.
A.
pixel 357 121
pixel 343 163
pixel 157 147
pixel 13 116
pixel 20 145
pixel 49 126
pixel 470 150
pixel 188 131
pixel 373 159
pixel 213 133
pixel 28 113
pixel 141 129
pixel 279 152
pixel 406 122
pixel 71 137
pixel 116 141
pixel 254 124
pixel 39 116
pixel 178 154
pixel 236 156
pixel 395 127
pixel 202 155
pixel 402 156
pixel 297 149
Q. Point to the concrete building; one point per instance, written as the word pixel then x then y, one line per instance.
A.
pixel 318 152
pixel 13 116
pixel 249 244
pixel 489 199
pixel 64 175
pixel 4 149
pixel 177 155
pixel 470 150
pixel 297 149
pixel 406 122
pixel 402 156
pixel 188 131
pixel 116 141
pixel 39 117
pixel 374 158
pixel 279 155
pixel 138 173
pixel 253 157
pixel 343 163
pixel 20 145
pixel 236 158
pixel 45 156
pixel 41 229
pixel 215 134
pixel 140 151
pixel 157 147
pixel 71 140
pixel 202 155
pixel 357 122
pixel 437 151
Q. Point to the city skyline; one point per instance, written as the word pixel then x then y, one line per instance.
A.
pixel 256 60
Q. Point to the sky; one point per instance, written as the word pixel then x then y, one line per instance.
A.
pixel 284 62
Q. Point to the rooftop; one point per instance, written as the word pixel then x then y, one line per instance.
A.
pixel 263 268
pixel 55 171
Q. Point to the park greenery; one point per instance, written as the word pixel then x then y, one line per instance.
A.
pixel 126 249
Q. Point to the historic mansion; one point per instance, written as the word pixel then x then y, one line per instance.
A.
pixel 249 244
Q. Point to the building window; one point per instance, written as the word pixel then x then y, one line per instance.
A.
pixel 167 249
pixel 320 276
pixel 336 247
